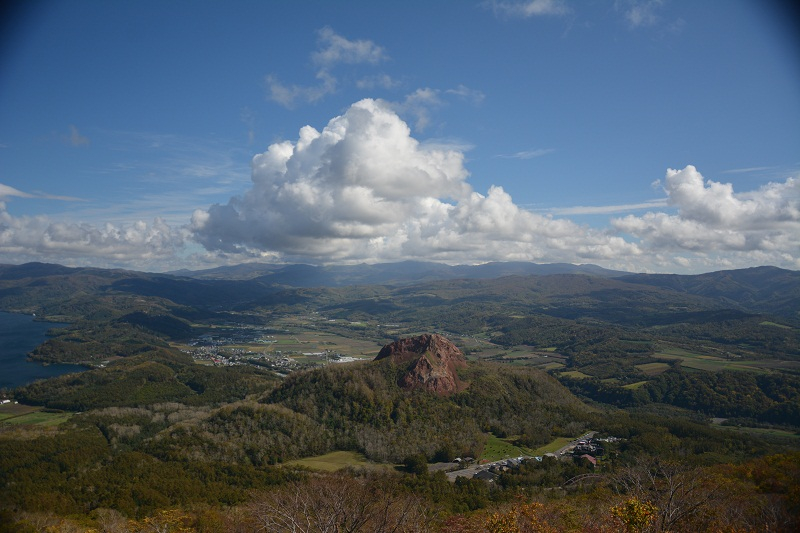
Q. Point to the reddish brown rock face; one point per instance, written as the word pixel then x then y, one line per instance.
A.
pixel 431 360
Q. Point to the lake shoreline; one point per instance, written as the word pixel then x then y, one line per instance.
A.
pixel 20 335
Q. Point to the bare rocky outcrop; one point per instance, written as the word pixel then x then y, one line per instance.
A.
pixel 431 363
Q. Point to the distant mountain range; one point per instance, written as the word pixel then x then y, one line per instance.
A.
pixel 767 290
pixel 402 273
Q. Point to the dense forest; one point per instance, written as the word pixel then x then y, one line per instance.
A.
pixel 148 439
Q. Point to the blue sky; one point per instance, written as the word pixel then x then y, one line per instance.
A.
pixel 658 136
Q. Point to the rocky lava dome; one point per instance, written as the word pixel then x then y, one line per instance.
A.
pixel 431 363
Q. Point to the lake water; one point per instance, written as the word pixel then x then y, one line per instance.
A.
pixel 19 335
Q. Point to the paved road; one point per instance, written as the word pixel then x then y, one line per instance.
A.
pixel 474 469
pixel 569 446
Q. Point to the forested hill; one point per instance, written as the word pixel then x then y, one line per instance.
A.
pixel 24 287
pixel 167 304
pixel 760 289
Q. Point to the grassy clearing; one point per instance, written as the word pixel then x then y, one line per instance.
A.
pixel 634 386
pixel 553 446
pixel 764 432
pixel 331 462
pixel 38 418
pixel 714 364
pixel 575 374
pixel 774 324
pixel 497 448
pixel 652 369
pixel 776 364
pixel 673 352
pixel 519 354
pixel 11 410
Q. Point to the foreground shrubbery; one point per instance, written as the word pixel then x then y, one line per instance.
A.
pixel 649 496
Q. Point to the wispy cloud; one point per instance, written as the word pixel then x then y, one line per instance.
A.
pixel 747 170
pixel 770 172
pixel 639 13
pixel 383 81
pixel 608 209
pixel 465 93
pixel 164 176
pixel 75 138
pixel 289 95
pixel 420 104
pixel 527 154
pixel 336 49
pixel 6 191
pixel 333 50
pixel 528 8
pixel 248 118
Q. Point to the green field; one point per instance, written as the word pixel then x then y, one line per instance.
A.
pixel 768 323
pixel 707 362
pixel 27 415
pixel 497 448
pixel 553 446
pixel 764 432
pixel 331 462
pixel 575 374
pixel 544 359
pixel 11 410
pixel 652 369
pixel 634 386
pixel 316 341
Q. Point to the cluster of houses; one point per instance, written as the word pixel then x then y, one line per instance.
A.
pixel 216 351
pixel 498 467
pixel 587 448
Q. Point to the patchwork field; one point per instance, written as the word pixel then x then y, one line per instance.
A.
pixel 709 362
pixel 315 341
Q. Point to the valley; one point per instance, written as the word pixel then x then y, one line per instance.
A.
pixel 207 395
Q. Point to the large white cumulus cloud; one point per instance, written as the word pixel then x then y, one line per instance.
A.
pixel 712 217
pixel 363 189
pixel 36 238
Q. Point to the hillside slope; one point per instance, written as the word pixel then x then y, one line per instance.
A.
pixel 760 289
